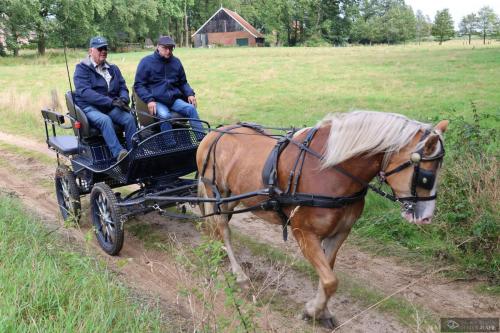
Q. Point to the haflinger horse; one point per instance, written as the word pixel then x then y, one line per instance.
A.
pixel 326 169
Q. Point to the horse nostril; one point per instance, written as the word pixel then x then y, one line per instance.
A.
pixel 426 220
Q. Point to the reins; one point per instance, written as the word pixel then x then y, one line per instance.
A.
pixel 277 198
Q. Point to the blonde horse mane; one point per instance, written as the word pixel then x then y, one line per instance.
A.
pixel 367 132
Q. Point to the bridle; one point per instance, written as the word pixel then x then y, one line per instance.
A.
pixel 421 178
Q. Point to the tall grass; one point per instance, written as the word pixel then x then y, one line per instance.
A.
pixel 46 287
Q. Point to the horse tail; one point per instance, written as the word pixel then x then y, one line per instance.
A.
pixel 202 193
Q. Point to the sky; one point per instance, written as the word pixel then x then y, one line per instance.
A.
pixel 458 8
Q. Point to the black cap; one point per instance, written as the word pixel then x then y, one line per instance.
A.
pixel 97 42
pixel 166 40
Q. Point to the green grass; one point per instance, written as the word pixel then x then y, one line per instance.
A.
pixel 284 86
pixel 47 287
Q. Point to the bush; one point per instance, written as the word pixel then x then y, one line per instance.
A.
pixel 467 213
pixel 315 41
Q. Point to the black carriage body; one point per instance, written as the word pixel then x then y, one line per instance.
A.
pixel 152 162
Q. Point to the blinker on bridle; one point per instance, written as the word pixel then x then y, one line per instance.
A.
pixel 422 178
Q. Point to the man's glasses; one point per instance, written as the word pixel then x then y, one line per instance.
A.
pixel 170 47
pixel 103 48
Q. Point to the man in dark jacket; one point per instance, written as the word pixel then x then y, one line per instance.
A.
pixel 160 81
pixel 102 94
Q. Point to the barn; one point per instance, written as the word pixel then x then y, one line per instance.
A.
pixel 227 28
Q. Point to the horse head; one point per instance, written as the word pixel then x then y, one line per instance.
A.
pixel 413 171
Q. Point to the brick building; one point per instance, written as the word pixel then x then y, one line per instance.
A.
pixel 227 28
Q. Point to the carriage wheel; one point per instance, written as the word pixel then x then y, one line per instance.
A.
pixel 68 195
pixel 106 215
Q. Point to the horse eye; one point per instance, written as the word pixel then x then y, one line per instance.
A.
pixel 415 157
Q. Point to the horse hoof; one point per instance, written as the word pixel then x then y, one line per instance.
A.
pixel 329 323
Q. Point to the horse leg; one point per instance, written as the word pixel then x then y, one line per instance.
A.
pixel 219 227
pixel 310 245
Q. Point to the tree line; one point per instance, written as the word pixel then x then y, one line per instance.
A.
pixel 283 22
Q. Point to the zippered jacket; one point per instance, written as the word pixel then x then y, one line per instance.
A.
pixel 91 88
pixel 161 80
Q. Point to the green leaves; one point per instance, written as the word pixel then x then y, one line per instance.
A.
pixel 443 26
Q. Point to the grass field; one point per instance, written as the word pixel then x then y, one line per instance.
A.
pixel 47 287
pixel 285 86
pixel 298 86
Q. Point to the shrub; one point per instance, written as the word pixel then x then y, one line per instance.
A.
pixel 467 213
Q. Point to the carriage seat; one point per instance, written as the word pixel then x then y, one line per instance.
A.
pixel 142 111
pixel 64 144
pixel 85 131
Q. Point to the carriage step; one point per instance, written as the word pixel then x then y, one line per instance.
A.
pixel 64 144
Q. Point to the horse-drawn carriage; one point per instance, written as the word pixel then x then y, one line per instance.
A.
pixel 155 165
pixel 314 180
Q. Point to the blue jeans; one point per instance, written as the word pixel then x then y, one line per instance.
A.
pixel 183 108
pixel 104 122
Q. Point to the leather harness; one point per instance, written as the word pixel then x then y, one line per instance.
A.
pixel 278 198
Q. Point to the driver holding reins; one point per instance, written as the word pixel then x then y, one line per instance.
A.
pixel 101 92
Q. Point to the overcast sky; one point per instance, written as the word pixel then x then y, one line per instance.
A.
pixel 458 8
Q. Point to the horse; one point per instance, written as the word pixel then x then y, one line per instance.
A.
pixel 345 152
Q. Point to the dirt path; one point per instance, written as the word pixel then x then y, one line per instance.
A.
pixel 153 273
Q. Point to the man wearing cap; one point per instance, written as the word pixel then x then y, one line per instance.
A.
pixel 160 81
pixel 101 92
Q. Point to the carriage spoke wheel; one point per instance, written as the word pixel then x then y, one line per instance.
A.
pixel 106 214
pixel 68 195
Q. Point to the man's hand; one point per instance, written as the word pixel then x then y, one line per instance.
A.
pixel 192 100
pixel 119 103
pixel 152 108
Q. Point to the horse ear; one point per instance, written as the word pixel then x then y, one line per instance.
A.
pixel 430 144
pixel 442 126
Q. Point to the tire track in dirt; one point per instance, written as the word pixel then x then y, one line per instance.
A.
pixel 444 298
pixel 147 272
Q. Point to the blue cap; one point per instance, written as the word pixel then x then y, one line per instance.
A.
pixel 97 42
pixel 166 40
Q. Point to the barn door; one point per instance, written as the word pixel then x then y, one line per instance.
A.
pixel 242 41
pixel 204 40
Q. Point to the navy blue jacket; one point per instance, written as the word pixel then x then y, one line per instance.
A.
pixel 161 80
pixel 91 88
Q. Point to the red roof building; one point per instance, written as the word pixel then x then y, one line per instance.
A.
pixel 227 28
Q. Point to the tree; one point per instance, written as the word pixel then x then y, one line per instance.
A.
pixel 16 20
pixel 443 26
pixel 399 23
pixel 124 21
pixel 468 25
pixel 486 22
pixel 422 26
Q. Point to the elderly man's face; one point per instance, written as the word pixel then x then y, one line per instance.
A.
pixel 99 55
pixel 166 51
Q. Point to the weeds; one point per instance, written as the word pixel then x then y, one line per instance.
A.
pixel 205 262
pixel 469 205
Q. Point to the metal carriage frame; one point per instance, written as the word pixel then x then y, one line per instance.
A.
pixel 85 166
